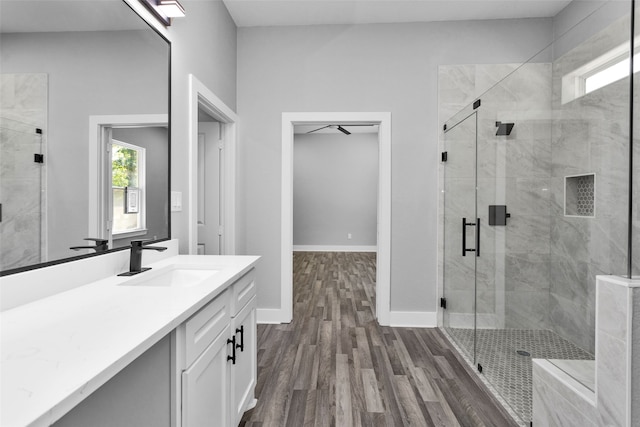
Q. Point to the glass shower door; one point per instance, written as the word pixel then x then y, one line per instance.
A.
pixel 460 236
pixel 20 195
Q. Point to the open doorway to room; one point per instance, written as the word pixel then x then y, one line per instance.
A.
pixel 371 234
pixel 335 199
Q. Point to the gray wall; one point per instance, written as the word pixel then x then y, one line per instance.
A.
pixel 335 189
pixel 155 140
pixel 83 81
pixel 361 68
pixel 204 44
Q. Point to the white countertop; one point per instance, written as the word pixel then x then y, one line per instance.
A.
pixel 58 350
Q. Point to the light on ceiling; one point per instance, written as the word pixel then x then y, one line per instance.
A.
pixel 171 8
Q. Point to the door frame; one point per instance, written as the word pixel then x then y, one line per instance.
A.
pixel 202 97
pixel 383 268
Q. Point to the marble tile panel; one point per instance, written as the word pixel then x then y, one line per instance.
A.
pixel 608 246
pixel 570 279
pixel 612 192
pixel 570 149
pixel 613 303
pixel 528 233
pixel 459 197
pixel 456 88
pixel 526 310
pixel 485 302
pixel 572 321
pixel 570 238
pixel 611 378
pixel 460 301
pixel 459 273
pixel 528 196
pixel 551 408
pixel 527 272
pixel 583 371
pixel 554 404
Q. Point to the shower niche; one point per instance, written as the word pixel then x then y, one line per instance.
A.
pixel 580 196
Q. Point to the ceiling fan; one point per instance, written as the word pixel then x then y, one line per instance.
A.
pixel 339 127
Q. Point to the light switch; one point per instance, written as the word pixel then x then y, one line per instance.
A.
pixel 176 201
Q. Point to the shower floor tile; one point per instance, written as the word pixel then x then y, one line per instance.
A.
pixel 509 371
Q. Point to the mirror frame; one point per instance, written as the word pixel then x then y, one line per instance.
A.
pixel 112 250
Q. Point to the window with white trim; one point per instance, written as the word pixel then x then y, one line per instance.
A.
pixel 602 71
pixel 127 187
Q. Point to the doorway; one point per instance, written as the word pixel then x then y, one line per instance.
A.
pixel 383 279
pixel 210 170
pixel 210 118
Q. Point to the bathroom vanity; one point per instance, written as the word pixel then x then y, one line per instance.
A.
pixel 172 346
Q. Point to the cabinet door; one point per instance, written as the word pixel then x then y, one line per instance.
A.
pixel 205 396
pixel 244 372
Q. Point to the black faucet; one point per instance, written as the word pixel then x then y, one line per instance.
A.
pixel 135 260
pixel 100 246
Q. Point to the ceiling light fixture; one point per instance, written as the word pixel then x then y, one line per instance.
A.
pixel 343 130
pixel 171 8
pixel 164 10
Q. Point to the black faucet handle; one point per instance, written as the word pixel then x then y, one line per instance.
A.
pixel 97 240
pixel 138 242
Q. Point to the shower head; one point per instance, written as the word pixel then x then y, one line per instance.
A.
pixel 503 128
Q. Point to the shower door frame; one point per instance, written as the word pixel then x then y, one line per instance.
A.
pixel 454 243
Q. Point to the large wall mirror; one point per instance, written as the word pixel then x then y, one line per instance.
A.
pixel 84 131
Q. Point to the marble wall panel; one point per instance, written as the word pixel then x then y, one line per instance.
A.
pixel 527 272
pixel 527 309
pixel 572 320
pixel 23 108
pixel 589 135
pixel 555 404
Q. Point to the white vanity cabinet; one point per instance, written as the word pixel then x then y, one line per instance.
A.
pixel 244 371
pixel 216 359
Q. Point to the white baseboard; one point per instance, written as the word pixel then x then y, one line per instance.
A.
pixel 413 319
pixel 271 316
pixel 406 319
pixel 330 248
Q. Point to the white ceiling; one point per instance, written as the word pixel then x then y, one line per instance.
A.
pixel 252 13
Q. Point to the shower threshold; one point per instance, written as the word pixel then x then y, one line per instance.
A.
pixel 505 356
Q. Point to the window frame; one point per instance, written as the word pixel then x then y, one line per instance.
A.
pixel 141 187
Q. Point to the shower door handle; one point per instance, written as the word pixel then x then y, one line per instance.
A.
pixel 477 236
pixel 464 236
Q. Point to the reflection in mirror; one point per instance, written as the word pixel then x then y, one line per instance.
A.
pixel 62 64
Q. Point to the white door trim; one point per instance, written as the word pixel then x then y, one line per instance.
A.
pixel 201 97
pixel 383 270
pixel 97 189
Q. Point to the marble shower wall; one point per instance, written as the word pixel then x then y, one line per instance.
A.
pixel 512 272
pixel 23 108
pixel 539 271
pixel 590 135
pixel 514 170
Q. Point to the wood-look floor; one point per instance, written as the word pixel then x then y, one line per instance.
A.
pixel 334 366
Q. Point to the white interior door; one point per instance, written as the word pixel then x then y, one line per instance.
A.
pixel 210 233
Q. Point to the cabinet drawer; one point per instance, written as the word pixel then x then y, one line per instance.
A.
pixel 204 326
pixel 242 291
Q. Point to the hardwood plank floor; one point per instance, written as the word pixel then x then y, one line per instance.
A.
pixel 334 366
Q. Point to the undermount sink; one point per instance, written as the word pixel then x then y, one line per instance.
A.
pixel 174 276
